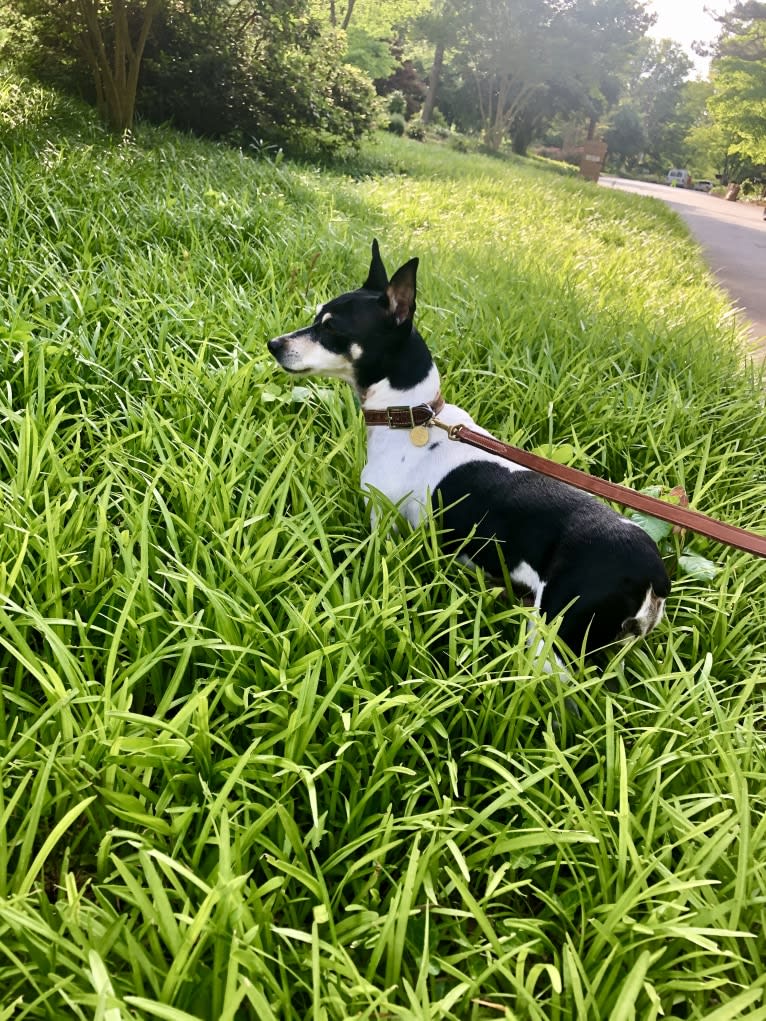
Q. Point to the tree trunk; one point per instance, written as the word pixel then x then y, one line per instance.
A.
pixel 433 84
pixel 115 73
pixel 496 125
pixel 347 16
pixel 482 109
pixel 131 90
pixel 521 139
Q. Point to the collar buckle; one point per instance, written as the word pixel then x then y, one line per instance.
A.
pixel 397 416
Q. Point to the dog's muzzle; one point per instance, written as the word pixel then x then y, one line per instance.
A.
pixel 280 349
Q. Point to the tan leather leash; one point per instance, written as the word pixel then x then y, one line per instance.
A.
pixel 418 419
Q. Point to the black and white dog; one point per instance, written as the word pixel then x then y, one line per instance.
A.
pixel 576 556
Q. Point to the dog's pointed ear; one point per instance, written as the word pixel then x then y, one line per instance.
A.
pixel 377 278
pixel 401 292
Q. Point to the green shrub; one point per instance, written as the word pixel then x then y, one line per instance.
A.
pixel 416 129
pixel 287 86
pixel 438 120
pixel 396 124
pixel 397 103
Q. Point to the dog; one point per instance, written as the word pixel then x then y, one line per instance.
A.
pixel 575 556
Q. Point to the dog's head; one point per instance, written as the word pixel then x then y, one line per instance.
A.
pixel 358 335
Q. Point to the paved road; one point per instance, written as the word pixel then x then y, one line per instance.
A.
pixel 733 238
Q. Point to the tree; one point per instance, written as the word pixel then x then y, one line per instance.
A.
pixel 441 27
pixel 371 54
pixel 625 137
pixel 531 60
pixel 509 59
pixel 603 38
pixel 340 13
pixel 706 143
pixel 738 74
pixel 109 37
pixel 656 89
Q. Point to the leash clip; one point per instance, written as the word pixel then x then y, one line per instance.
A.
pixel 452 431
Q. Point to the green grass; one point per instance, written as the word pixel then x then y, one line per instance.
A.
pixel 261 762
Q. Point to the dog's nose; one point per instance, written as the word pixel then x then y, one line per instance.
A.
pixel 274 345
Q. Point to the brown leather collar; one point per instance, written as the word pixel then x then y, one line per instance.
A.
pixel 402 416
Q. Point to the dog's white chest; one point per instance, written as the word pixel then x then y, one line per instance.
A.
pixel 407 473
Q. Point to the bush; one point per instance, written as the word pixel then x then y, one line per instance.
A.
pixel 397 103
pixel 407 81
pixel 416 129
pixel 280 83
pixel 396 124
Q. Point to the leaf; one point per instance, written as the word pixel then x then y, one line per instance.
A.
pixel 303 394
pixel 654 527
pixel 695 566
pixel 50 842
pixel 268 396
pixel 561 453
pixel 162 1010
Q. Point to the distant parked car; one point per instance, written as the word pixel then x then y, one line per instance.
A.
pixel 703 185
pixel 679 178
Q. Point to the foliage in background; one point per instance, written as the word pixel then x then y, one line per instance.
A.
pixel 254 74
pixel 656 114
pixel 86 39
pixel 443 26
pixel 739 80
pixel 705 146
pixel 658 89
pixel 298 73
pixel 370 53
pixel 258 760
pixel 529 60
pixel 260 71
pixel 625 137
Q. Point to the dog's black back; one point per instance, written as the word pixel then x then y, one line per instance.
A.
pixel 588 557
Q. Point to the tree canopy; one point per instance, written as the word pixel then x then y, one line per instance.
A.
pixel 739 80
pixel 300 73
pixel 530 60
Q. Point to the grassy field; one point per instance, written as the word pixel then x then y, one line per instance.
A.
pixel 259 762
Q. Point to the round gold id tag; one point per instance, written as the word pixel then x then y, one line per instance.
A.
pixel 419 436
